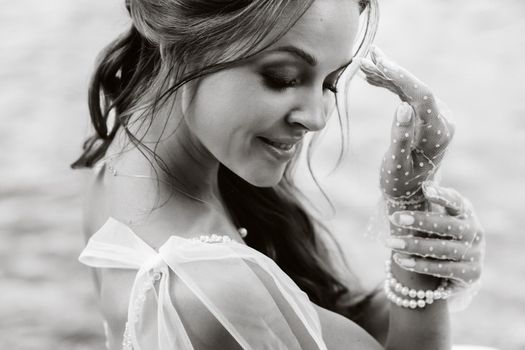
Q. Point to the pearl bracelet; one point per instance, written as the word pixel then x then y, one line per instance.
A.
pixel 417 298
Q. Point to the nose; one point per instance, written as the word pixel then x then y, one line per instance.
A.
pixel 311 114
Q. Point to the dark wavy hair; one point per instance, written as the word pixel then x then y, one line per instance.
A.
pixel 173 42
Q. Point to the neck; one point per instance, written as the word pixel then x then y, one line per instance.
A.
pixel 189 195
pixel 189 166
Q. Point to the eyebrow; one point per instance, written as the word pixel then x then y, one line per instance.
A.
pixel 302 54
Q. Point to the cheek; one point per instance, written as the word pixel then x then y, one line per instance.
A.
pixel 227 114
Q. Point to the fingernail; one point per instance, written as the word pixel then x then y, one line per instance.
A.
pixel 378 53
pixel 405 219
pixel 404 261
pixel 404 113
pixel 395 243
pixel 367 64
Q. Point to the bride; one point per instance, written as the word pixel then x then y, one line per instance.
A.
pixel 196 232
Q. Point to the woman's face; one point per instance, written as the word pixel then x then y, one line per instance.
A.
pixel 251 117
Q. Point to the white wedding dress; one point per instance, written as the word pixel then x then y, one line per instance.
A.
pixel 248 294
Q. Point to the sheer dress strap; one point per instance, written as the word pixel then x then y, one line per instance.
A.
pixel 255 301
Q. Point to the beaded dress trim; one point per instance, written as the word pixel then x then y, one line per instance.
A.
pixel 127 341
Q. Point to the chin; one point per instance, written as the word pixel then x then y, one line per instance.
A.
pixel 265 178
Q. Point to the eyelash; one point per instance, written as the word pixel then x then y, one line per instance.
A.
pixel 332 88
pixel 281 83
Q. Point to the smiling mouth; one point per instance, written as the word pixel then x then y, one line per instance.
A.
pixel 279 151
pixel 281 146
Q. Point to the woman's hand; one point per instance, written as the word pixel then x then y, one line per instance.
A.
pixel 420 133
pixel 445 241
pixel 448 243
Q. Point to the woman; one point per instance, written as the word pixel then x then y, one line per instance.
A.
pixel 200 111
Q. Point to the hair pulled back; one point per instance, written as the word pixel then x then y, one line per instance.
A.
pixel 172 42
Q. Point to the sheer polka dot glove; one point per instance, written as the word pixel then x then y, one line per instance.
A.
pixel 447 243
pixel 433 230
pixel 420 132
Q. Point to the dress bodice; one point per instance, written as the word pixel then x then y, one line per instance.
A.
pixel 248 294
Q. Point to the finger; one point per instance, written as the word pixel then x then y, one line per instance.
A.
pixel 441 249
pixel 466 272
pixel 398 159
pixel 412 90
pixel 423 165
pixel 448 198
pixel 473 255
pixel 436 132
pixel 470 230
pixel 478 241
pixel 375 77
pixel 434 224
pixel 371 71
pixel 435 135
pixel 427 247
pixel 403 130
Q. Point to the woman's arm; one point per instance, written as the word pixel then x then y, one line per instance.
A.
pixel 375 316
pixel 419 137
pixel 426 328
pixel 428 247
pixel 371 327
pixel 341 333
pixel 373 310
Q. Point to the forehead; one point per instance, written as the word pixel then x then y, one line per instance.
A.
pixel 327 31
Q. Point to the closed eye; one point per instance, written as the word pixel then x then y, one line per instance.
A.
pixel 281 82
pixel 278 81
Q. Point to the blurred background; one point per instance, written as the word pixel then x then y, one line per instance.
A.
pixel 470 52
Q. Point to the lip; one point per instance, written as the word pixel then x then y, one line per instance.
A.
pixel 280 154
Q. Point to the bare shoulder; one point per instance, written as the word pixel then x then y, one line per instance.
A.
pixel 338 331
pixel 203 327
pixel 230 295
pixel 341 333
